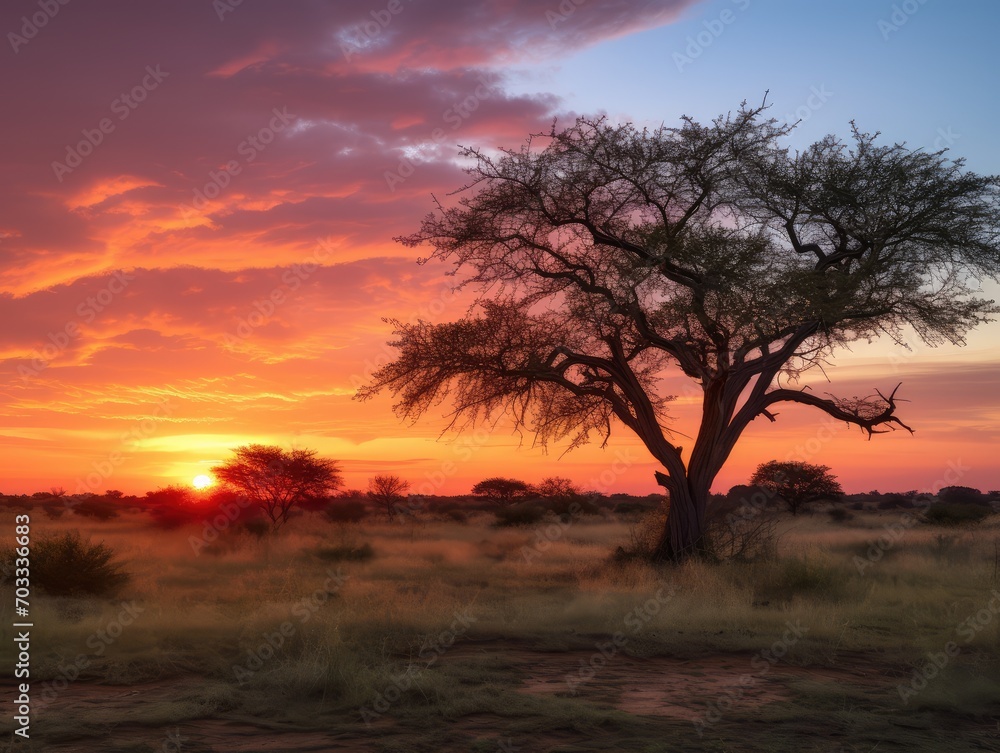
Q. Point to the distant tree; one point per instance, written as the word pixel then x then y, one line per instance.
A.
pixel 387 491
pixel 962 495
pixel 503 490
pixel 797 483
pixel 557 487
pixel 276 480
pixel 610 256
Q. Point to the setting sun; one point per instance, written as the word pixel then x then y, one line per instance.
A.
pixel 201 481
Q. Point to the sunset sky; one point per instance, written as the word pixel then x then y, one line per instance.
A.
pixel 199 201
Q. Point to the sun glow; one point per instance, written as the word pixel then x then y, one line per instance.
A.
pixel 201 481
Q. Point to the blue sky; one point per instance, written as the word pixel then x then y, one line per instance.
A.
pixel 931 82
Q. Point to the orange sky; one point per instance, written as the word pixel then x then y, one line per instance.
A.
pixel 215 270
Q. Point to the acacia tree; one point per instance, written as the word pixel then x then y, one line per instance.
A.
pixel 503 490
pixel 387 491
pixel 276 480
pixel 796 482
pixel 613 256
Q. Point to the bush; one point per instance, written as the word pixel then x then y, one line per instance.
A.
pixel 345 553
pixel 345 511
pixel 894 501
pixel 98 508
pixel 67 565
pixel 840 515
pixel 750 537
pixel 962 495
pixel 524 514
pixel 942 514
pixel 459 516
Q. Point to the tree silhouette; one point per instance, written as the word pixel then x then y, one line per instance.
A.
pixel 796 482
pixel 613 255
pixel 277 480
pixel 387 491
pixel 503 490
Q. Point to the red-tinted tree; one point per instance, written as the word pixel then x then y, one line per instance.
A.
pixel 276 480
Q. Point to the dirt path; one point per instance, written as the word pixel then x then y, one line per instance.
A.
pixel 673 691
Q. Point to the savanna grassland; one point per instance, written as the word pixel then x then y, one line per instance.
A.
pixel 450 635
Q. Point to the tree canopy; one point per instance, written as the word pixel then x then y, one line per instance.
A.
pixel 276 479
pixel 797 482
pixel 606 257
pixel 504 490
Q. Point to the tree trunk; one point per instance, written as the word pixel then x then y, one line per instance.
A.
pixel 684 534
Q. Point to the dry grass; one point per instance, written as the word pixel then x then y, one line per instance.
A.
pixel 357 623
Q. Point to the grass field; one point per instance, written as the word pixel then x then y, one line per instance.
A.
pixel 449 636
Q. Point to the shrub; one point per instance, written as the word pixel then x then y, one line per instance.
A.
pixel 751 537
pixel 98 508
pixel 943 514
pixel 524 514
pixel 345 511
pixel 962 495
pixel 894 501
pixel 345 553
pixel 67 565
pixel 459 516
pixel 840 515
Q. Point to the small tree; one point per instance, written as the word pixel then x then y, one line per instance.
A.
pixel 277 480
pixel 503 490
pixel 557 487
pixel 797 483
pixel 387 491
